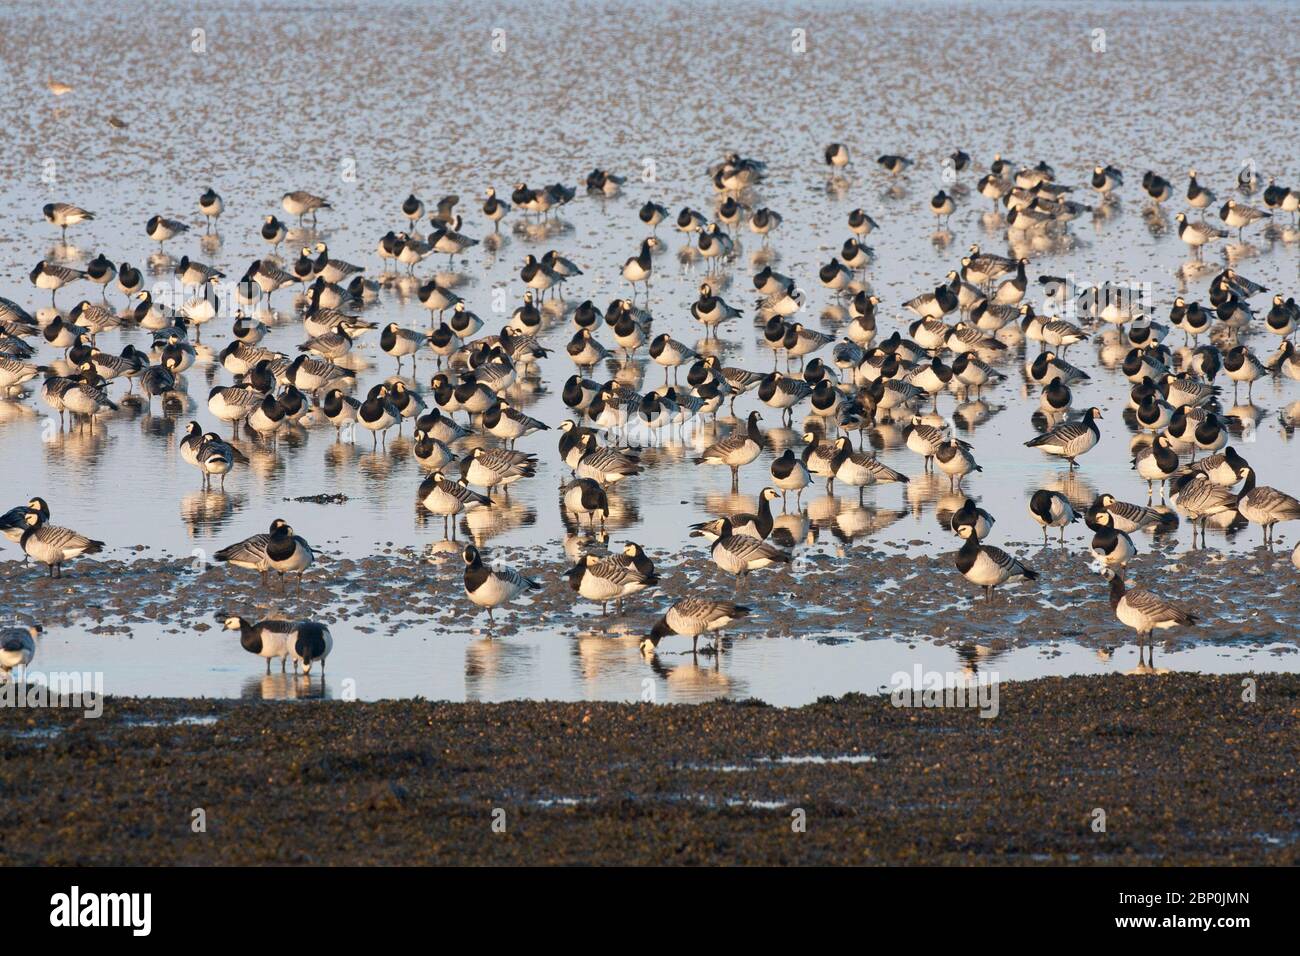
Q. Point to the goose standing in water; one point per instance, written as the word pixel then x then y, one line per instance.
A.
pixel 288 553
pixel 738 449
pixel 1051 509
pixel 1070 440
pixel 65 214
pixel 789 473
pixel 302 203
pixel 639 267
pixel 308 643
pixel 1265 506
pixel 610 579
pixel 1200 499
pixel 447 498
pixel 268 639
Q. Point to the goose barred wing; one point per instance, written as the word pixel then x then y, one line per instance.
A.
pixel 463 492
pixel 1013 566
pixel 14 367
pixel 631 571
pixel 65 539
pixel 796 387
pixel 1156 609
pixel 741 379
pixel 880 472
pixel 925 298
pixel 929 434
pixel 1062 434
pixel 504 459
pixel 606 459
pixel 249 551
pixel 520 581
pixel 1137 514
pixel 1202 493
pixel 724 446
pixel 1273 502
pixel 746 548
pixel 618 569
pixel 705 613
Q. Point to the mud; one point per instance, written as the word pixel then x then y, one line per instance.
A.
pixel 862 593
pixel 1185 771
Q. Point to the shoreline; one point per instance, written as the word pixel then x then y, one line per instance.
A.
pixel 1186 771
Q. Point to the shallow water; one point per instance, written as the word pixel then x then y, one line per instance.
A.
pixel 604 664
pixel 366 102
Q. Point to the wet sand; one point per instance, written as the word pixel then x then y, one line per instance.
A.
pixel 1185 771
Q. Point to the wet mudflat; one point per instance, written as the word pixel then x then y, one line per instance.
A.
pixel 418 782
pixel 143 612
pixel 830 625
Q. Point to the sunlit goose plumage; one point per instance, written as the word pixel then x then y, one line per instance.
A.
pixel 52 545
pixel 612 578
pixel 1144 611
pixel 1070 440
pixel 691 617
pixel 1265 506
pixel 490 587
pixel 986 565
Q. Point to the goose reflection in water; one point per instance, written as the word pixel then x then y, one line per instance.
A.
pixel 287 686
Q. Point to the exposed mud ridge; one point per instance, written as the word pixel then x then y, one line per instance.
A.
pixel 1184 770
pixel 1239 598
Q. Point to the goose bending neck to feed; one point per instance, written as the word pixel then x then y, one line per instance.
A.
pixel 691 617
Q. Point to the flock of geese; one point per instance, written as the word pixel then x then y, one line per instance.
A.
pixel 954 338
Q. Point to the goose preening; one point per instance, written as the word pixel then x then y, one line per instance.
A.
pixel 65 214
